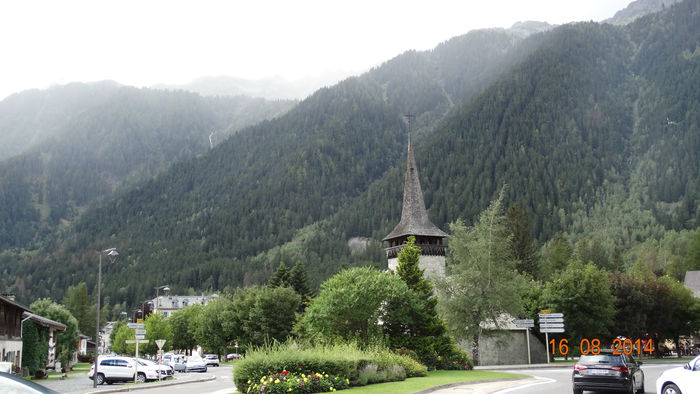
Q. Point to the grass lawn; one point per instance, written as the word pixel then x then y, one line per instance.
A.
pixel 434 378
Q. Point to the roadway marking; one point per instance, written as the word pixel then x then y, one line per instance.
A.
pixel 546 381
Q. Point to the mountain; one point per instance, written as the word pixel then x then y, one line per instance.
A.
pixel 639 8
pixel 82 142
pixel 593 127
pixel 274 88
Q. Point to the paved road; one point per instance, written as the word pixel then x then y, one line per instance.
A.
pixel 558 380
pixel 223 384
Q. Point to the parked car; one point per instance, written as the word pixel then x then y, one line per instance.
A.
pixel 162 371
pixel 195 364
pixel 211 359
pixel 232 356
pixel 119 369
pixel 680 379
pixel 179 363
pixel 607 371
pixel 13 384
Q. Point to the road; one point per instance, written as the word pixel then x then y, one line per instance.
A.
pixel 559 380
pixel 223 384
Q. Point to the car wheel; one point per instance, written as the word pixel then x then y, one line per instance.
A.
pixel 100 379
pixel 631 389
pixel 641 389
pixel 671 389
pixel 141 378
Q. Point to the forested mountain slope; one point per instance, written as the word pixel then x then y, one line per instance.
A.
pixel 259 188
pixel 593 127
pixel 86 141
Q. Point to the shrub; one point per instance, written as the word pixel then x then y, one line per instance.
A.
pixel 456 359
pixel 340 360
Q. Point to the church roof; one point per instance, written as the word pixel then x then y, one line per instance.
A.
pixel 414 217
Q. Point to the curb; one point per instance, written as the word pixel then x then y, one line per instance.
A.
pixel 156 385
pixel 449 385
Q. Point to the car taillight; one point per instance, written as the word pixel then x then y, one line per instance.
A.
pixel 620 369
pixel 579 367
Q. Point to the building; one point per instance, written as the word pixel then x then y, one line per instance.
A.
pixel 415 222
pixel 12 318
pixel 692 282
pixel 166 305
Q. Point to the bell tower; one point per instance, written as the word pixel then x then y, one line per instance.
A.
pixel 415 222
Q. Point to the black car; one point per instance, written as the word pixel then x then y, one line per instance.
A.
pixel 608 371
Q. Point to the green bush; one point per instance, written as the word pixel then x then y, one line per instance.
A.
pixel 344 361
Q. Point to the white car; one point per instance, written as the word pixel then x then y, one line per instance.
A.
pixel 117 369
pixel 161 370
pixel 680 380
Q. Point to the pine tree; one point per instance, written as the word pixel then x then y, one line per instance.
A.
pixel 423 331
pixel 299 281
pixel 280 278
pixel 522 241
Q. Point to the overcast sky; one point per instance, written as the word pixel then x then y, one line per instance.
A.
pixel 146 42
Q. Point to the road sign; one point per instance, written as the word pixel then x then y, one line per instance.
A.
pixel 135 325
pixel 551 325
pixel 550 315
pixel 551 330
pixel 524 323
pixel 140 337
pixel 136 341
pixel 160 343
pixel 140 332
pixel 545 311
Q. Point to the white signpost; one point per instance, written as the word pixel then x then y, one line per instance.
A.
pixel 136 341
pixel 527 324
pixel 551 322
pixel 135 325
pixel 160 343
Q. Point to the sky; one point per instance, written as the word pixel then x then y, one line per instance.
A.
pixel 146 42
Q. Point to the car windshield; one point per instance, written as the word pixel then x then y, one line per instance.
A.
pixel 601 359
pixel 194 359
pixel 146 362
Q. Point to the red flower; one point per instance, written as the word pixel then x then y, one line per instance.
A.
pixel 285 373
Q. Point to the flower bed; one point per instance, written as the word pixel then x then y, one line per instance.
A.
pixel 347 362
pixel 286 382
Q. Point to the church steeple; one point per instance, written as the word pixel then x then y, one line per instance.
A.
pixel 414 216
pixel 415 222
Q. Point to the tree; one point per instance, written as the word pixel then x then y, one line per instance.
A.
pixel 482 283
pixel 558 253
pixel 185 324
pixel 351 305
pixel 123 333
pixel 582 293
pixel 523 247
pixel 212 337
pixel 632 301
pixel 35 347
pixel 280 278
pixel 417 326
pixel 157 327
pixel 77 301
pixel 299 281
pixel 685 315
pixel 65 344
pixel 273 315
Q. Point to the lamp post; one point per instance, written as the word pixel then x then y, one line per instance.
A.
pixel 112 254
pixel 165 289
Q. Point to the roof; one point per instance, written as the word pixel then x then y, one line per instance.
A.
pixel 16 305
pixel 692 281
pixel 44 321
pixel 414 216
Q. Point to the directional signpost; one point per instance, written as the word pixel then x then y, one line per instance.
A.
pixel 527 324
pixel 551 322
pixel 136 341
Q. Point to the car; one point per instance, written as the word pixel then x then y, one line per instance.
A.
pixel 607 371
pixel 232 356
pixel 162 371
pixel 195 364
pixel 211 359
pixel 178 363
pixel 116 369
pixel 14 384
pixel 680 380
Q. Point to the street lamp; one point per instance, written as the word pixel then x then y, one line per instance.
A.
pixel 112 254
pixel 166 289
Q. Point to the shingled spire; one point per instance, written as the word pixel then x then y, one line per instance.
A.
pixel 415 222
pixel 414 216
